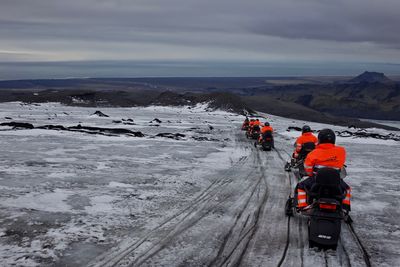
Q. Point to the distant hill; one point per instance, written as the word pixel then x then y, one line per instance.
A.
pixel 370 95
pixel 371 77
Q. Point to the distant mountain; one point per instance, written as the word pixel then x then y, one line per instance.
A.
pixel 371 77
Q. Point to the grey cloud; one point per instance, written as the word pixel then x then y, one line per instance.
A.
pixel 317 29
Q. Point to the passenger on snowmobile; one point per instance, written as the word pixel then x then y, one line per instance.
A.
pixel 264 130
pixel 250 128
pixel 266 137
pixel 251 123
pixel 257 122
pixel 255 131
pixel 325 156
pixel 245 124
pixel 305 143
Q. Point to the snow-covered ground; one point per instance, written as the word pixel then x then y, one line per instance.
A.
pixel 206 197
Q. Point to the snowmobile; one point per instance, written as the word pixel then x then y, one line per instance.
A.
pixel 266 141
pixel 248 132
pixel 255 132
pixel 298 163
pixel 325 212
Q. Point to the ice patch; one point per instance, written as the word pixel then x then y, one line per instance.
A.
pixel 117 184
pixel 102 205
pixel 52 202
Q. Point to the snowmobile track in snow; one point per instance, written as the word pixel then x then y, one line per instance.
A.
pixel 288 218
pixel 236 244
pixel 360 244
pixel 203 197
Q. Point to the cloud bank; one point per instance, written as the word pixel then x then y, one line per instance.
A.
pixel 224 30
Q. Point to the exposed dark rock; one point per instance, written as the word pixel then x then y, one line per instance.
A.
pixel 52 127
pixel 99 130
pixel 156 120
pixel 290 128
pixel 364 134
pixel 210 127
pixel 117 121
pixel 7 118
pixel 203 138
pixel 18 125
pixel 176 136
pixel 100 114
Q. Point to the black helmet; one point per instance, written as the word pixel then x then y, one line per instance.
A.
pixel 306 129
pixel 257 119
pixel 266 123
pixel 326 136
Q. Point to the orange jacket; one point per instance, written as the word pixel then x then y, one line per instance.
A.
pixel 266 129
pixel 325 155
pixel 251 123
pixel 257 123
pixel 305 138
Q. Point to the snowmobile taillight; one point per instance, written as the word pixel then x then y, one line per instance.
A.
pixel 327 206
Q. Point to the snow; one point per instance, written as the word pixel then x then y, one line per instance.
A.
pixel 76 199
pixel 52 201
pixel 116 184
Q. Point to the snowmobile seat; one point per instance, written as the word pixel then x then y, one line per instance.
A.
pixel 327 185
pixel 267 134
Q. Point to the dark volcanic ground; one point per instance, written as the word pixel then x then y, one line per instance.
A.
pixel 334 101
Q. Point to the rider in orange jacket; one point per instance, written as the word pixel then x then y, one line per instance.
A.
pixel 251 123
pixel 266 128
pixel 325 155
pixel 306 137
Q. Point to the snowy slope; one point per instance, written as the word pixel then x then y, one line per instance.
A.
pixel 206 198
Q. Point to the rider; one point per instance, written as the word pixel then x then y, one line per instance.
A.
pixel 255 126
pixel 245 124
pixel 325 155
pixel 306 137
pixel 251 123
pixel 266 128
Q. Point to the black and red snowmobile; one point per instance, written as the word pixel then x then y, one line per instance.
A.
pixel 266 140
pixel 298 163
pixel 255 132
pixel 325 213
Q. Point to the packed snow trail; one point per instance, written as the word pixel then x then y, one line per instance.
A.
pixel 236 221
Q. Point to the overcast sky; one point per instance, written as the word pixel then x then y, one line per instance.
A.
pixel 324 32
